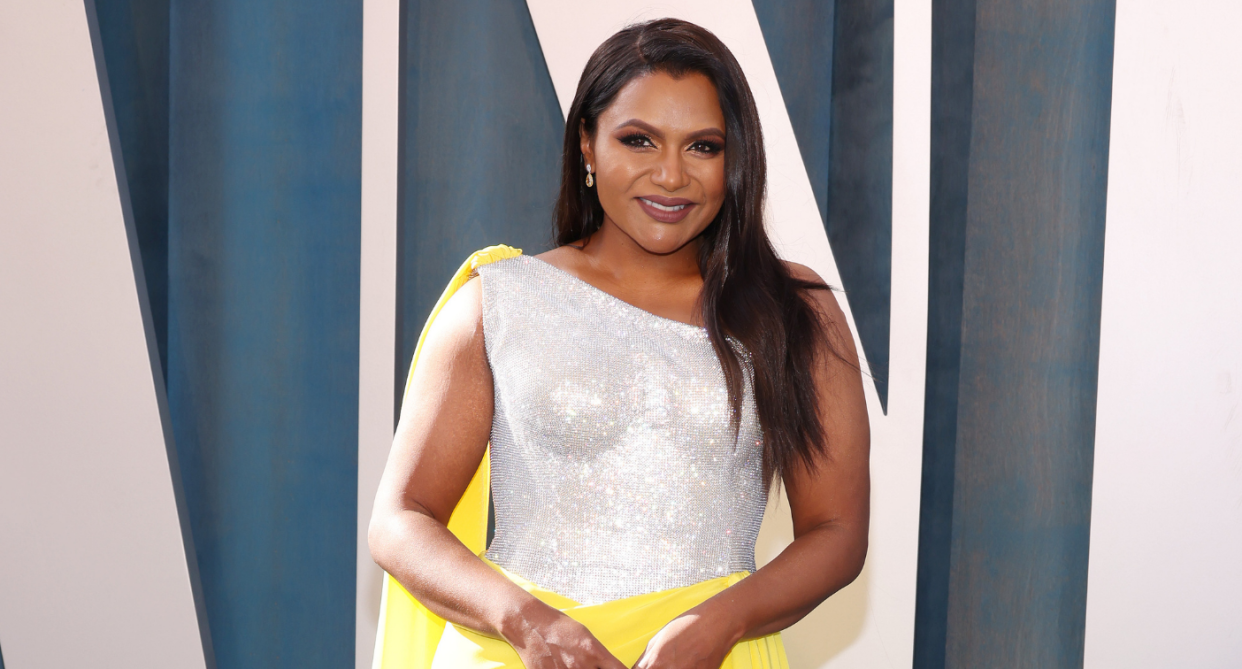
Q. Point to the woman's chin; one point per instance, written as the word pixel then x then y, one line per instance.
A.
pixel 663 239
pixel 663 246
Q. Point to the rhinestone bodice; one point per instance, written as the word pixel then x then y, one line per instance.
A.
pixel 615 467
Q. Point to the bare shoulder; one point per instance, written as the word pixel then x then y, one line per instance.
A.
pixel 826 300
pixel 837 332
pixel 802 272
pixel 459 324
pixel 562 257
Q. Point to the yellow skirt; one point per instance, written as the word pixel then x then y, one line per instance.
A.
pixel 412 637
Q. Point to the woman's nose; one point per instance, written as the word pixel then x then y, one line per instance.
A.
pixel 670 174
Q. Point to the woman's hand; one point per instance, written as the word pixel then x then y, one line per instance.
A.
pixel 547 639
pixel 690 641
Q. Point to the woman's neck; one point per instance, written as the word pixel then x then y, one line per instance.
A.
pixel 615 256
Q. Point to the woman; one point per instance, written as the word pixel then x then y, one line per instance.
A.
pixel 642 385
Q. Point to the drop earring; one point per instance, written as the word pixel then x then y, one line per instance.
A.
pixel 590 178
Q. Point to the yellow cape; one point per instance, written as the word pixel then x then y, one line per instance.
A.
pixel 412 637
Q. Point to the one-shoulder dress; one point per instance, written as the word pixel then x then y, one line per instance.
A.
pixel 624 490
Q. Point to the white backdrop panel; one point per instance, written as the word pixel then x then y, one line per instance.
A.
pixel 1164 586
pixel 92 568
pixel 870 623
pixel 377 324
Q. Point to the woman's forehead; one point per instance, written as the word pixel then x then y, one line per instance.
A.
pixel 688 102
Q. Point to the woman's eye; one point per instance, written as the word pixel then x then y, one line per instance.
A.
pixel 636 141
pixel 707 148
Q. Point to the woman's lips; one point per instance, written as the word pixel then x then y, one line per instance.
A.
pixel 665 209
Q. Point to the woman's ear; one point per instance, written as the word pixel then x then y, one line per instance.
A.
pixel 585 143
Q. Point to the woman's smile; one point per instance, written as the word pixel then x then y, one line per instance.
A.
pixel 665 209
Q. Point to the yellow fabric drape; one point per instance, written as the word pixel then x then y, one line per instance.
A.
pixel 624 626
pixel 412 637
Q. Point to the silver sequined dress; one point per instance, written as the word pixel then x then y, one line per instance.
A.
pixel 615 468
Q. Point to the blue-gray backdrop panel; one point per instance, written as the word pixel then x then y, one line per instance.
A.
pixel 263 235
pixel 834 63
pixel 480 133
pixel 1021 102
pixel 134 38
pixel 240 128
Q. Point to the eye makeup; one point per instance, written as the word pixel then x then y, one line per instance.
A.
pixel 706 147
pixel 636 140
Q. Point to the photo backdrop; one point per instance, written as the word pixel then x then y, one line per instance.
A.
pixel 222 224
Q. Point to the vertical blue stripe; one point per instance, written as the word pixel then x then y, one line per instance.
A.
pixel 834 63
pixel 799 35
pixel 953 39
pixel 134 38
pixel 480 133
pixel 860 191
pixel 264 224
pixel 1021 101
pixel 130 46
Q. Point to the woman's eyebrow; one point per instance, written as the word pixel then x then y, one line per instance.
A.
pixel 707 132
pixel 647 127
pixel 641 125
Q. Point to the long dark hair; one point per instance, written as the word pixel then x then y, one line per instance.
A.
pixel 748 294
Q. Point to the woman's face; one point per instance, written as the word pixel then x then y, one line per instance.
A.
pixel 658 158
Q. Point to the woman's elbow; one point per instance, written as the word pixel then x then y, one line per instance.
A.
pixel 857 557
pixel 379 536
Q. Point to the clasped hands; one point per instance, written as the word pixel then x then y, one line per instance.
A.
pixel 693 640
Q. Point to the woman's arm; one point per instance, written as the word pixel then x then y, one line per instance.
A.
pixel 440 441
pixel 831 511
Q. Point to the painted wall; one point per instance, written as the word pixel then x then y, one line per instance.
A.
pixel 377 298
pixel 82 352
pixel 232 154
pixel 1165 587
pixel 93 569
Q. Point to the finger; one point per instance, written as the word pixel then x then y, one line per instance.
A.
pixel 650 657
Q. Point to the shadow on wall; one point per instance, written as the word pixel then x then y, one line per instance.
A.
pixel 834 625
